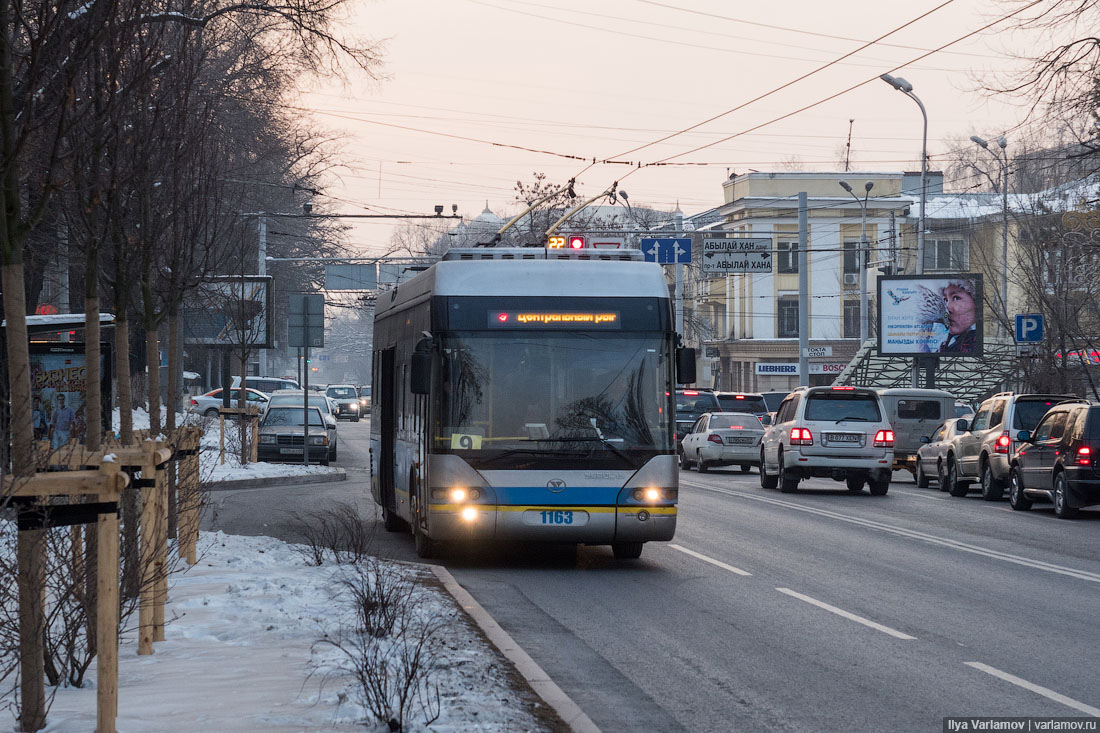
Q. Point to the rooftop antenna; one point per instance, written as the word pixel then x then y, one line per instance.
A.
pixel 848 147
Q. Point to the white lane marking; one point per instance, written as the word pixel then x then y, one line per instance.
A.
pixel 711 560
pixel 1045 692
pixel 913 534
pixel 850 616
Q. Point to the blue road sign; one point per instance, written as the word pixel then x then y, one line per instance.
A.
pixel 1029 328
pixel 667 251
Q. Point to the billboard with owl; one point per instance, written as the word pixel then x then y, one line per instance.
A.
pixel 930 314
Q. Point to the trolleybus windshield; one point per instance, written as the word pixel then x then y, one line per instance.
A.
pixel 553 399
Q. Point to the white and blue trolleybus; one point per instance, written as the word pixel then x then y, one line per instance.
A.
pixel 526 395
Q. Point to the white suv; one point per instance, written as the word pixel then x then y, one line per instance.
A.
pixel 837 432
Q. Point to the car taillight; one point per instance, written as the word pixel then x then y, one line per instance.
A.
pixel 884 439
pixel 801 436
pixel 714 439
pixel 1084 456
pixel 1003 443
pixel 194 402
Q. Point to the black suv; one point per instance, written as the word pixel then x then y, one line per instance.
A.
pixel 1059 461
pixel 691 404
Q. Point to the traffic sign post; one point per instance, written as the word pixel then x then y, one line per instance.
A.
pixel 741 255
pixel 306 328
pixel 668 251
pixel 1029 328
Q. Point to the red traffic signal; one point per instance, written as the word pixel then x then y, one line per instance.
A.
pixel 576 241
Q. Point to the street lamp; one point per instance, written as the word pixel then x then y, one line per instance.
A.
pixel 861 259
pixel 1003 160
pixel 907 89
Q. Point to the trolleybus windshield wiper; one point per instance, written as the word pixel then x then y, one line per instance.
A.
pixel 588 439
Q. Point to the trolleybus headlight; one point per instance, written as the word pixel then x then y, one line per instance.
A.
pixel 652 494
pixel 469 514
pixel 458 495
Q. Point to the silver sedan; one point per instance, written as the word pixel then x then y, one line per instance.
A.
pixel 723 439
pixel 933 452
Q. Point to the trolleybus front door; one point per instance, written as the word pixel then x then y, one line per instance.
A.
pixel 387 398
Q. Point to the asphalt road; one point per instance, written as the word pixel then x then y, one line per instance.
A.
pixel 815 611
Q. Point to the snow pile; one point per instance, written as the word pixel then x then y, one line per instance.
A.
pixel 241 654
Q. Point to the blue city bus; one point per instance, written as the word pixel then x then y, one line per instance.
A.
pixel 526 394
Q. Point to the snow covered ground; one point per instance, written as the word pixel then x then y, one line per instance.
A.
pixel 242 654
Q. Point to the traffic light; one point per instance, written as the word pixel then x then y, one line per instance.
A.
pixel 576 241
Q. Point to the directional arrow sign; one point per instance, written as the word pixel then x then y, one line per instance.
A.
pixel 736 262
pixel 667 251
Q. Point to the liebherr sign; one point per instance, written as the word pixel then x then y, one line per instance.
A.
pixel 737 255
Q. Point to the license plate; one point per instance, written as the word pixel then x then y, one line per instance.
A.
pixel 290 451
pixel 740 441
pixel 555 517
pixel 842 437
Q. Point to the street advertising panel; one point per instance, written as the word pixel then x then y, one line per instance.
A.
pixel 230 311
pixel 930 314
pixel 59 391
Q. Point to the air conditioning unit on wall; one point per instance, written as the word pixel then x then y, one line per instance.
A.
pixel 851 278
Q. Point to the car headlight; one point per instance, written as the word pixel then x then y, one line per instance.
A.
pixel 318 439
pixel 267 439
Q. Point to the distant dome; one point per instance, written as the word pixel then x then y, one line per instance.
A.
pixel 486 219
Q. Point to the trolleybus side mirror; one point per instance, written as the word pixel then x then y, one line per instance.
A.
pixel 421 377
pixel 685 366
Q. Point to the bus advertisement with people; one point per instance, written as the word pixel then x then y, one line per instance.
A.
pixel 525 395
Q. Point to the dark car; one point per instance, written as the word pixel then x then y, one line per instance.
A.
pixel 1058 461
pixel 691 404
pixel 282 438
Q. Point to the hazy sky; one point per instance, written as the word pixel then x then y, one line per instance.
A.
pixel 474 88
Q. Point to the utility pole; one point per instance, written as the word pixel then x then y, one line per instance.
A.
pixel 803 290
pixel 678 222
pixel 262 270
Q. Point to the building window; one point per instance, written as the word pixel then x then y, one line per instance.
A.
pixel 851 256
pixel 787 257
pixel 851 319
pixel 788 318
pixel 951 255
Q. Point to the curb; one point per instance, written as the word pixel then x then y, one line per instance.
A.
pixel 540 682
pixel 259 483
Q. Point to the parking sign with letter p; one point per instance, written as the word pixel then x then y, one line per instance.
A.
pixel 1029 328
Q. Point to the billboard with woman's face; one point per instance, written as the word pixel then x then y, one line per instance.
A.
pixel 930 314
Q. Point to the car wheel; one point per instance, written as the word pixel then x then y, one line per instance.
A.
pixel 787 483
pixel 684 465
pixel 992 488
pixel 767 481
pixel 745 468
pixel 700 464
pixel 1061 498
pixel 627 550
pixel 922 477
pixel 956 487
pixel 392 522
pixel 941 477
pixel 425 547
pixel 212 412
pixel 880 487
pixel 1016 498
pixel 854 483
pixel 355 419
